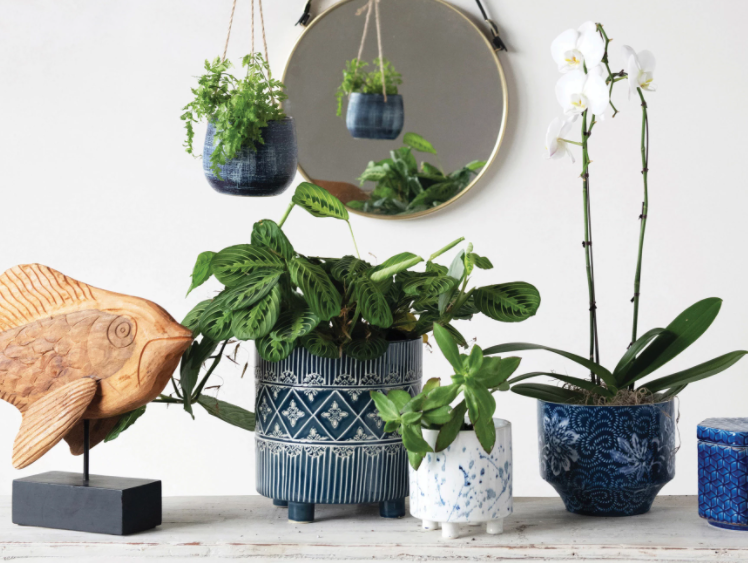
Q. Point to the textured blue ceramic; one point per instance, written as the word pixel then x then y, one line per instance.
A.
pixel 370 117
pixel 319 437
pixel 607 461
pixel 267 171
pixel 723 472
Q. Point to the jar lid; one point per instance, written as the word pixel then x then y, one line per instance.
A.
pixel 728 431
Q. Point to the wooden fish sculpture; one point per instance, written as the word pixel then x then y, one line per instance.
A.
pixel 70 352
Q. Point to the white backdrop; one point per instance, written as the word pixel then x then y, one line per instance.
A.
pixel 96 184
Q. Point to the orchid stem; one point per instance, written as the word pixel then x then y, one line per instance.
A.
pixel 607 66
pixel 572 142
pixel 643 217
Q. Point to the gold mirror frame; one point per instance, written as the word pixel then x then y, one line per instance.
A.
pixel 499 139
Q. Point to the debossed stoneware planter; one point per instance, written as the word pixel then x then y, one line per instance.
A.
pixel 370 117
pixel 463 484
pixel 266 171
pixel 319 437
pixel 607 460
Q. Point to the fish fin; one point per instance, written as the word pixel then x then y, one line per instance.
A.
pixel 31 292
pixel 47 420
pixel 98 430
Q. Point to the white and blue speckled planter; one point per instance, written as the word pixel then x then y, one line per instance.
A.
pixel 463 484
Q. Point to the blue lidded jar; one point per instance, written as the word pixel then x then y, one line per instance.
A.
pixel 723 472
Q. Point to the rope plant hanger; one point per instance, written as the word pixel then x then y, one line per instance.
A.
pixel 371 115
pixel 250 146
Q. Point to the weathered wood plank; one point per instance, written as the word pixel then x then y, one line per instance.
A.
pixel 251 528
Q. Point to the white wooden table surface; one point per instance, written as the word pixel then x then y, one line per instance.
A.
pixel 251 528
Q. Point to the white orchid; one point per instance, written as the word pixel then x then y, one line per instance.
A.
pixel 640 68
pixel 555 139
pixel 575 48
pixel 578 92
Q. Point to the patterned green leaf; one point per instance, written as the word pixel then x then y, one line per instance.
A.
pixel 267 234
pixel 320 345
pixel 258 320
pixel 294 324
pixel 429 286
pixel 479 262
pixel 272 350
pixel 418 143
pixel 215 322
pixel 192 320
pixel 227 412
pixel 349 267
pixel 372 303
pixel 319 202
pixel 256 286
pixel 201 272
pixel 232 264
pixel 124 422
pixel 320 293
pixel 366 348
pixel 508 302
pixel 395 265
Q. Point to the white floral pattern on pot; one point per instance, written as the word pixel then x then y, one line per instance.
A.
pixel 463 484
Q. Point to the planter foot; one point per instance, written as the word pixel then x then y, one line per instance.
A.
pixel 450 530
pixel 300 513
pixel 392 508
pixel 495 526
pixel 430 525
pixel 281 503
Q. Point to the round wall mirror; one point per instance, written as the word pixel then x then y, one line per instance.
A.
pixel 423 147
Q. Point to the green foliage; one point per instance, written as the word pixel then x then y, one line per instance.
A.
pixel 124 422
pixel 238 107
pixel 356 79
pixel 650 352
pixel 475 377
pixel 401 188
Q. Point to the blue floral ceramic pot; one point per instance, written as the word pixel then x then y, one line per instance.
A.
pixel 370 117
pixel 319 437
pixel 266 171
pixel 607 461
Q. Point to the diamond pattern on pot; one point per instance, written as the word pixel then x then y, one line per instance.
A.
pixel 336 415
pixel 293 413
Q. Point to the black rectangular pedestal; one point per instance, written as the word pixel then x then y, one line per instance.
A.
pixel 105 505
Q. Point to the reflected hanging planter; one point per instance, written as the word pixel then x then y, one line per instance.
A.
pixel 266 171
pixel 370 117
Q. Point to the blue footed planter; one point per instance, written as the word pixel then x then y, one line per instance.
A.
pixel 267 171
pixel 319 437
pixel 370 117
pixel 723 472
pixel 607 461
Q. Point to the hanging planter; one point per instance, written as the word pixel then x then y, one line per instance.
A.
pixel 375 109
pixel 250 145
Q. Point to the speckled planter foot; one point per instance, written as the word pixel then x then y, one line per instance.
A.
pixel 463 484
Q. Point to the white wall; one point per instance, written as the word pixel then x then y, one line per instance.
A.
pixel 95 183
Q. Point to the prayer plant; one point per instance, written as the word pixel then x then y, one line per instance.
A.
pixel 356 79
pixel 584 91
pixel 401 188
pixel 476 377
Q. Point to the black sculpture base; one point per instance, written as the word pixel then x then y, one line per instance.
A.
pixel 104 505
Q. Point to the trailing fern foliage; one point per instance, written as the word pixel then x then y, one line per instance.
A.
pixel 356 79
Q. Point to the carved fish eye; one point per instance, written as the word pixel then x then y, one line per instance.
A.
pixel 121 332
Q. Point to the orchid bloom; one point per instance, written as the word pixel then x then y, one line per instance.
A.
pixel 578 92
pixel 555 143
pixel 640 68
pixel 575 48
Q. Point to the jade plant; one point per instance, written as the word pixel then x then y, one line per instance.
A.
pixel 356 79
pixel 403 188
pixel 584 93
pixel 238 107
pixel 281 299
pixel 475 378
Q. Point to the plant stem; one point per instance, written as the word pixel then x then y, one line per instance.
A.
pixel 448 247
pixel 354 240
pixel 573 142
pixel 643 216
pixel 213 366
pixel 285 215
pixel 166 399
pixel 587 244
pixel 607 66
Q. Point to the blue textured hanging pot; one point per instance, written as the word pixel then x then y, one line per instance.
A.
pixel 319 437
pixel 370 117
pixel 267 171
pixel 609 460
